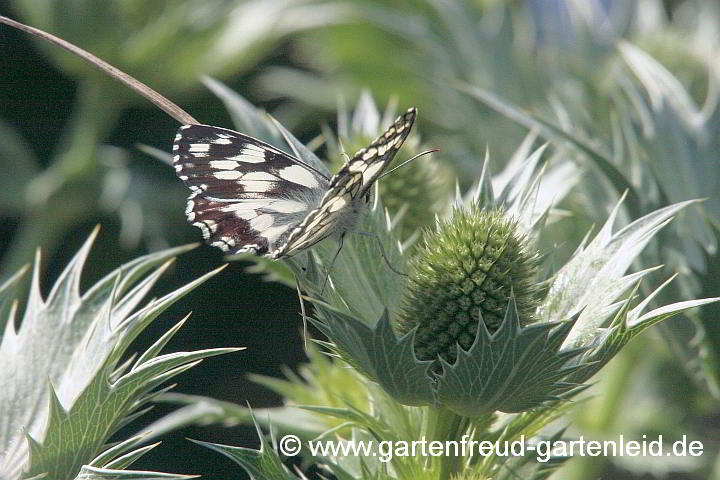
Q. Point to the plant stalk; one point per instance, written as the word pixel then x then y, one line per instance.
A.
pixel 443 425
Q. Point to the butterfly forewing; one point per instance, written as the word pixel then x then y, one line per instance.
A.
pixel 369 163
pixel 348 187
pixel 247 195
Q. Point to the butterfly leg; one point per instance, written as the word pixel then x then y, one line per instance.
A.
pixel 303 314
pixel 382 250
pixel 337 252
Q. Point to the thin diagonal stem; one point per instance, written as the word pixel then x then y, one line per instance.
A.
pixel 160 101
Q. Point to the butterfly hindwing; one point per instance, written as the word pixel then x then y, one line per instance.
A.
pixel 247 195
pixel 225 229
pixel 226 164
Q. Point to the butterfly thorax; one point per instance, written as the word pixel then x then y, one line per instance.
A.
pixel 338 213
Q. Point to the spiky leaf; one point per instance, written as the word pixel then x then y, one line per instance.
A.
pixel 382 356
pixel 65 392
pixel 513 369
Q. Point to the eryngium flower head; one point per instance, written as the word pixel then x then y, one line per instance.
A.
pixel 465 272
pixel 589 308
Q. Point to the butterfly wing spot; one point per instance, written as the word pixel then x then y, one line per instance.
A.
pixel 371 171
pixel 247 158
pixel 198 189
pixel 199 147
pixel 223 164
pixel 221 141
pixel 247 178
pixel 259 177
pixel 300 175
pixel 370 153
pixel 337 204
pixel 257 148
pixel 287 206
pixel 273 234
pixel 224 244
pixel 262 222
pixel 207 227
pixel 255 155
pixel 244 209
pixel 189 214
pixel 255 249
pixel 227 175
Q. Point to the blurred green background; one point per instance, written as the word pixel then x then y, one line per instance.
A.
pixel 70 160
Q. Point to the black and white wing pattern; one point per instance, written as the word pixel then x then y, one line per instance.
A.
pixel 248 196
pixel 349 187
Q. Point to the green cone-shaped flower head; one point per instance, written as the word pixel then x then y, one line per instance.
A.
pixel 467 270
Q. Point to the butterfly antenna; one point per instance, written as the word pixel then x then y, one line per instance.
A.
pixel 342 150
pixel 158 100
pixel 426 152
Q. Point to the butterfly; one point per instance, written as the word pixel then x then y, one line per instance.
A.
pixel 248 196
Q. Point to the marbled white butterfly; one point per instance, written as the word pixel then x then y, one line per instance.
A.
pixel 248 196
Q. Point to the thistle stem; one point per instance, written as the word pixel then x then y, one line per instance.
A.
pixel 442 425
pixel 604 410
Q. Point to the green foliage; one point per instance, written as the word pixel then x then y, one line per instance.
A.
pixel 263 464
pixel 510 368
pixel 514 370
pixel 381 356
pixel 17 157
pixel 627 99
pixel 171 43
pixel 67 389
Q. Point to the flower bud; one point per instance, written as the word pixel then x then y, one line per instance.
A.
pixel 466 271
